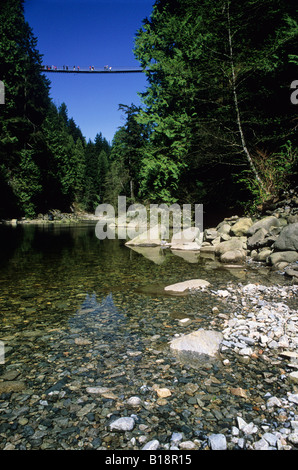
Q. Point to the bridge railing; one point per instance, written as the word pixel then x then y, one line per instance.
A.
pixel 90 69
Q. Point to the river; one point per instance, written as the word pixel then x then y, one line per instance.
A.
pixel 78 313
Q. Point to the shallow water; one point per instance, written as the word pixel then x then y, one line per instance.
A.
pixel 78 312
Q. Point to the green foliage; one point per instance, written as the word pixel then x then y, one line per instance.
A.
pixel 277 171
pixel 26 182
pixel 193 72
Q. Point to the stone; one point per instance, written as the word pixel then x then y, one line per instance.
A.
pixel 293 398
pixel 233 244
pixel 188 246
pixel 12 386
pixel 187 445
pixel 97 390
pixel 291 272
pixel 223 228
pixel 272 402
pixel 262 444
pixel 239 392
pixel 210 234
pixel 288 238
pixel 202 341
pixel 241 227
pixel 265 222
pixel 217 442
pixel 233 256
pixel 293 377
pixel 257 238
pixel 82 341
pixel 151 237
pixel 134 401
pixel 185 286
pixel 151 445
pixel 188 235
pixel 270 438
pixel 122 424
pixel 263 254
pixel 163 392
pixel 293 438
pixel 283 256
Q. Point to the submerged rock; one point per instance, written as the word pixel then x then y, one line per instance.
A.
pixel 122 424
pixel 202 341
pixel 185 286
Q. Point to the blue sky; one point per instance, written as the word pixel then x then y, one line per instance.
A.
pixel 84 33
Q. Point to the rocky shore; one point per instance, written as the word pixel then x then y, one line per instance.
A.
pixel 269 237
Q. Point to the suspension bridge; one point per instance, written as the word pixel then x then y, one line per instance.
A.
pixel 91 70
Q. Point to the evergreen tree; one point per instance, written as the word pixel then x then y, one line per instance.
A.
pixel 26 104
pixel 219 75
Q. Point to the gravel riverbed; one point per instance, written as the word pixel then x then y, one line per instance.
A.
pixel 108 380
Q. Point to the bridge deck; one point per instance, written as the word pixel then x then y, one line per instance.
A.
pixel 95 70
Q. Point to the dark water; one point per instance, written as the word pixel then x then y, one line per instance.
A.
pixel 48 272
pixel 60 285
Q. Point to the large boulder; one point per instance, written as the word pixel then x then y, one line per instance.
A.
pixel 151 237
pixel 257 238
pixel 233 256
pixel 189 239
pixel 241 227
pixel 265 222
pixel 188 235
pixel 283 257
pixel 288 238
pixel 233 244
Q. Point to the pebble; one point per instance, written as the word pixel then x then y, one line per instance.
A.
pixel 217 442
pixel 122 424
pixel 151 445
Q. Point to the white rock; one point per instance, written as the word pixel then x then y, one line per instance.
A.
pixel 293 397
pixel 200 341
pixel 250 429
pixel 293 438
pixel 262 444
pixel 187 445
pixel 273 401
pixel 246 352
pixel 134 401
pixel 293 377
pixel 217 442
pixel 270 438
pixel 241 423
pixel 185 286
pixel 151 445
pixel 122 424
pixel 176 437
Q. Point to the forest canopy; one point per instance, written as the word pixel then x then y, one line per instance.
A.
pixel 216 125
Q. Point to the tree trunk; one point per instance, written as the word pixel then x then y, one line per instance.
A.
pixel 243 142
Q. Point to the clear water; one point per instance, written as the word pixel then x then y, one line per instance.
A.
pixel 77 312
